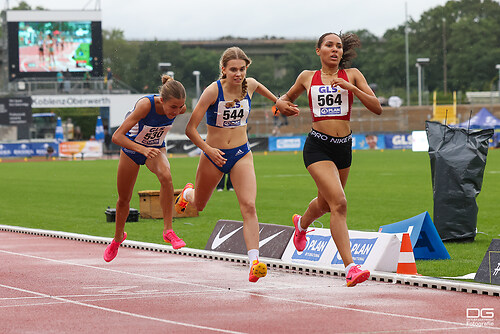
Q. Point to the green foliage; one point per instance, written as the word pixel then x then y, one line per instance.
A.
pixel 384 187
pixel 466 32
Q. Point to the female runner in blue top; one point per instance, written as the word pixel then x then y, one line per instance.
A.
pixel 142 138
pixel 328 147
pixel 226 104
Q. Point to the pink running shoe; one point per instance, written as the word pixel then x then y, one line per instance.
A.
pixel 299 237
pixel 180 201
pixel 356 275
pixel 172 238
pixel 257 270
pixel 112 249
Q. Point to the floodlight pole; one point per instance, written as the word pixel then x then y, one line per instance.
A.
pixel 197 75
pixel 407 28
pixel 419 64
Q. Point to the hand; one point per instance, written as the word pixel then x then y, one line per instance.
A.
pixel 287 108
pixel 339 82
pixel 150 152
pixel 216 156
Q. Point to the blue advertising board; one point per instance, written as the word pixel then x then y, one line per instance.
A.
pixel 398 141
pixel 368 141
pixel 295 143
pixel 28 149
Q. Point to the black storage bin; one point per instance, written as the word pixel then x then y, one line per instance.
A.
pixel 133 215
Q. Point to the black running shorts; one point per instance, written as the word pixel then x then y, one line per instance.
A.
pixel 322 147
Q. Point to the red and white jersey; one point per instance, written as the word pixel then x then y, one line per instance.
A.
pixel 327 102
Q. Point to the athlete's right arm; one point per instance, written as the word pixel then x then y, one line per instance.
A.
pixel 285 103
pixel 140 111
pixel 207 98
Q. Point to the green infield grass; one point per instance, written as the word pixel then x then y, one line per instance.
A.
pixel 383 187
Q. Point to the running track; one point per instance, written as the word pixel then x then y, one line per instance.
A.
pixel 61 285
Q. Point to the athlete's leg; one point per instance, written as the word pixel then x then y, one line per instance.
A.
pixel 207 178
pixel 161 168
pixel 245 185
pixel 330 183
pixel 319 206
pixel 126 177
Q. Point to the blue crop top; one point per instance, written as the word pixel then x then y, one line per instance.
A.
pixel 220 116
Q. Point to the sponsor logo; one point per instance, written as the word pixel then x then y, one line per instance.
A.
pixel 360 249
pixel 269 238
pixel 169 147
pixel 330 111
pixel 218 240
pixel 327 89
pixel 316 245
pixel 254 144
pixel 288 143
pixel 238 153
pixel 186 147
pixel 231 123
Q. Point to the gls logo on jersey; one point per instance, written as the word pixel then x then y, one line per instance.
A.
pixel 360 249
pixel 316 245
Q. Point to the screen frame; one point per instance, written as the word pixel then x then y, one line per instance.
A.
pixel 14 17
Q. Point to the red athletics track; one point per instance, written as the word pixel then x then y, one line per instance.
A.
pixel 61 286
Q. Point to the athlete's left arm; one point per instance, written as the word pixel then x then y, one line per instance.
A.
pixel 259 88
pixel 360 88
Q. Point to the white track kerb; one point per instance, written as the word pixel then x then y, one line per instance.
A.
pixel 411 280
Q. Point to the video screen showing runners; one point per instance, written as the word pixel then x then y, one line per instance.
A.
pixel 42 43
pixel 55 46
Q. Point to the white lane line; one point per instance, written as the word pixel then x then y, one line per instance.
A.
pixel 120 312
pixel 314 304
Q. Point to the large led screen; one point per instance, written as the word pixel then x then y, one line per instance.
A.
pixel 43 43
pixel 54 46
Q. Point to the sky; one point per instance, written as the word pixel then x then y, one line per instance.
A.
pixel 212 19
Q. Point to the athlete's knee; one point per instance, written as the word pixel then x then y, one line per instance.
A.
pixel 339 205
pixel 123 201
pixel 165 180
pixel 248 209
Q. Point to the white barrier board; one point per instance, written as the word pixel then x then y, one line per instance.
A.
pixel 372 250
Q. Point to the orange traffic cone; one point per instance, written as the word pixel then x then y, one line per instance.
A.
pixel 406 262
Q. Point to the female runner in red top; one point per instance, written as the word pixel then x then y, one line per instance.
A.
pixel 328 147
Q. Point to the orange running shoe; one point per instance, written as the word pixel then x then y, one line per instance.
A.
pixel 180 202
pixel 257 270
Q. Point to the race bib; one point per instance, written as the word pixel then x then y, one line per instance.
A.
pixel 329 101
pixel 152 135
pixel 232 117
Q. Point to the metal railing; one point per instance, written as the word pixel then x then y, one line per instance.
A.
pixel 68 86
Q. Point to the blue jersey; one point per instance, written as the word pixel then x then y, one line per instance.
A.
pixel 152 129
pixel 221 116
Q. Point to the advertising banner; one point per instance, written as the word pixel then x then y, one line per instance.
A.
pixel 81 149
pixel 295 143
pixel 372 250
pixel 425 240
pixel 28 149
pixel 227 236
pixel 368 141
pixel 398 141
